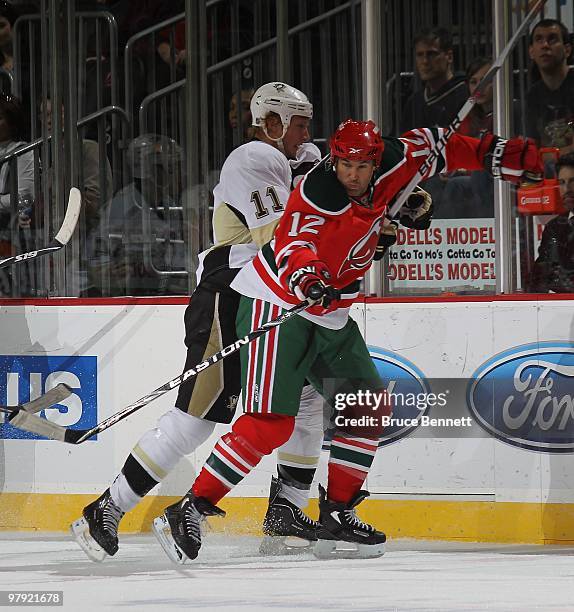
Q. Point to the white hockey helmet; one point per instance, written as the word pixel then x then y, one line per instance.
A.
pixel 282 99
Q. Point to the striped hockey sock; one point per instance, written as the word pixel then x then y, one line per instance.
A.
pixel 230 461
pixel 349 463
pixel 239 451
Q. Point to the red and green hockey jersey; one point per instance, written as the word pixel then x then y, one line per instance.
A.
pixel 322 223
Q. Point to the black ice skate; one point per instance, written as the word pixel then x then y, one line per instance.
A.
pixel 178 529
pixel 342 534
pixel 97 531
pixel 287 529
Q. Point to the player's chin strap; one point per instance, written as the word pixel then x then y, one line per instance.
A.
pixel 440 145
pixel 277 141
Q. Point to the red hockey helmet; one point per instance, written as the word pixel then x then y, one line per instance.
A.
pixel 357 140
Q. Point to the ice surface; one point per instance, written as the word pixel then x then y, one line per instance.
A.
pixel 229 575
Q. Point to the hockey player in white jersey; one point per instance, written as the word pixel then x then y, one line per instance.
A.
pixel 255 183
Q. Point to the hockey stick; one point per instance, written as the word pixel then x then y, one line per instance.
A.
pixel 30 422
pixel 51 397
pixel 60 239
pixel 439 147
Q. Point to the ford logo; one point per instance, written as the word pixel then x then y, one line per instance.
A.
pixel 523 396
pixel 400 376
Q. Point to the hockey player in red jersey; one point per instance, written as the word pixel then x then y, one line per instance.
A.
pixel 323 246
pixel 253 189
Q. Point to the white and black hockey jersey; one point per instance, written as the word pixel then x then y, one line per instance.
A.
pixel 254 185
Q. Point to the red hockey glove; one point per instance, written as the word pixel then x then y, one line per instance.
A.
pixel 515 160
pixel 416 212
pixel 387 238
pixel 309 282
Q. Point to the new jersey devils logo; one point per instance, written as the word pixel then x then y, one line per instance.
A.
pixel 362 252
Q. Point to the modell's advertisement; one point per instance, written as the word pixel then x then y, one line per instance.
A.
pixel 451 255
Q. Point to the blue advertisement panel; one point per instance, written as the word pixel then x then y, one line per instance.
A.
pixel 24 378
pixel 400 377
pixel 524 396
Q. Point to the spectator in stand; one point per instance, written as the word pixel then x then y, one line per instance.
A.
pixel 170 60
pixel 437 104
pixel 480 117
pixel 240 116
pixel 94 195
pixel 164 48
pixel 12 134
pixel 9 12
pixel 471 194
pixel 550 101
pixel 7 18
pixel 97 190
pixel 554 267
pixel 149 72
pixel 146 221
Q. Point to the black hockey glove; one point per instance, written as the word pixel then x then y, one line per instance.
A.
pixel 387 238
pixel 416 212
pixel 308 282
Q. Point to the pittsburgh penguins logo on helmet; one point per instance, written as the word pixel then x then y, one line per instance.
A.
pixel 282 99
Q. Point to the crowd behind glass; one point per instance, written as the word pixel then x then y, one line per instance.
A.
pixel 133 234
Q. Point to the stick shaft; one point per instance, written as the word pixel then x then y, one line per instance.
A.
pixel 191 373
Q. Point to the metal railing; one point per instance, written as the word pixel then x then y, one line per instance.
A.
pixel 39 282
pixel 150 75
pixel 350 57
pixel 27 30
pixel 172 97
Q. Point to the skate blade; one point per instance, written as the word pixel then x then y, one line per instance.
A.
pixel 162 532
pixel 284 545
pixel 333 549
pixel 81 532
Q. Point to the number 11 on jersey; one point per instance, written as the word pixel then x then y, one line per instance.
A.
pixel 260 209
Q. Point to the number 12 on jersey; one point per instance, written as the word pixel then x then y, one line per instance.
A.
pixel 310 222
